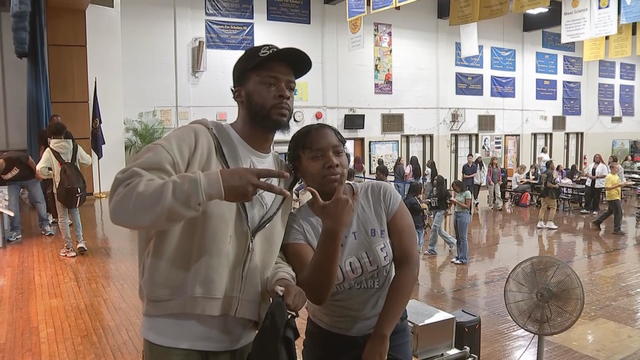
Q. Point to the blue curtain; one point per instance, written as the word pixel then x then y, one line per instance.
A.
pixel 38 100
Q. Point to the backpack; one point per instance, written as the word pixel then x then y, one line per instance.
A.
pixel 72 188
pixel 525 200
pixel 276 338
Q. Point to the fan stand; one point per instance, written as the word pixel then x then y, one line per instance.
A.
pixel 540 355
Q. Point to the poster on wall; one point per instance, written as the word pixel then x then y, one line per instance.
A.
pixel 504 87
pixel 463 11
pixel 571 65
pixel 626 100
pixel 237 9
pixel 356 34
pixel 620 147
pixel 552 40
pixel 228 35
pixel 381 5
pixel 490 9
pixel 296 11
pixel 630 11
pixel 503 59
pixel 497 148
pixel 475 61
pixel 607 69
pixel 571 99
pixel 627 71
pixel 546 89
pixel 546 63
pixel 520 6
pixel 388 151
pixel 634 148
pixel 486 146
pixel 302 91
pixel 356 9
pixel 593 49
pixel 469 84
pixel 383 70
pixel 604 17
pixel 620 43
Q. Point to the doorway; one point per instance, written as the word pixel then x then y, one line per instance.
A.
pixel 573 149
pixel 461 146
pixel 355 147
pixel 539 141
pixel 420 146
pixel 511 153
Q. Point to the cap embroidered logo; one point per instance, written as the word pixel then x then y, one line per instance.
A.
pixel 266 50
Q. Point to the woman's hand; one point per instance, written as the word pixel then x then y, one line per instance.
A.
pixel 337 213
pixel 377 348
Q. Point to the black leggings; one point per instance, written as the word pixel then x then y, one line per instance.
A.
pixel 476 191
pixel 592 198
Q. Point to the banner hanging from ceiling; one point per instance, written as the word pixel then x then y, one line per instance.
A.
pixel 571 99
pixel 356 34
pixel 504 87
pixel 490 9
pixel 463 11
pixel 290 11
pixel 626 100
pixel 546 89
pixel 576 20
pixel 381 5
pixel 404 2
pixel 571 65
pixel 503 59
pixel 229 35
pixel 620 44
pixel 520 6
pixel 604 17
pixel 383 70
pixel 630 11
pixel 605 99
pixel 546 63
pixel 469 84
pixel 627 71
pixel 356 9
pixel 237 9
pixel 593 49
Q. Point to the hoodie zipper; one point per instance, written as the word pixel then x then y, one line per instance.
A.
pixel 252 234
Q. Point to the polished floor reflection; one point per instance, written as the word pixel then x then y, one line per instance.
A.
pixel 88 307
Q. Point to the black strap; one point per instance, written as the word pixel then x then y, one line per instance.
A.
pixel 74 157
pixel 57 156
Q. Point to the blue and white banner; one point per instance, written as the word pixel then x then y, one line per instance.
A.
pixel 571 99
pixel 551 40
pixel 356 8
pixel 606 107
pixel 469 61
pixel 572 65
pixel 546 89
pixel 504 87
pixel 237 9
pixel 607 69
pixel 626 99
pixel 627 71
pixel 379 5
pixel 546 63
pixel 503 59
pixel 469 84
pixel 630 11
pixel 228 35
pixel 606 91
pixel 291 11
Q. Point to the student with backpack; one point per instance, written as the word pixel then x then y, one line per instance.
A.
pixel 60 161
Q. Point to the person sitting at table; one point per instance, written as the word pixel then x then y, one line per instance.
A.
pixel 573 173
pixel 560 174
pixel 627 164
pixel 519 184
pixel 533 176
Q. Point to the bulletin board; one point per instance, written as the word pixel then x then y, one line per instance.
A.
pixel 389 151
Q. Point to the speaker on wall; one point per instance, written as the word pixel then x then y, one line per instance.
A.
pixel 198 56
pixel 354 121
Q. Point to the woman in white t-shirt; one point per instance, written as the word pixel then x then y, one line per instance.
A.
pixel 353 250
pixel 543 157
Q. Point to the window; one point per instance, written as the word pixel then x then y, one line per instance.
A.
pixel 573 149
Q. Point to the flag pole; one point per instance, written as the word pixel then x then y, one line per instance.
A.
pixel 100 194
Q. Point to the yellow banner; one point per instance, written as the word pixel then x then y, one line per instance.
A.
pixel 620 43
pixel 520 6
pixel 463 12
pixel 490 9
pixel 593 49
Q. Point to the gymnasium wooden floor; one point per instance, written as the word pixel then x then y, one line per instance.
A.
pixel 88 307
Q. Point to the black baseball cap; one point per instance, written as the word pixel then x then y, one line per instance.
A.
pixel 253 57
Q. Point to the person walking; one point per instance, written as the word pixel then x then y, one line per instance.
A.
pixel 550 194
pixel 613 186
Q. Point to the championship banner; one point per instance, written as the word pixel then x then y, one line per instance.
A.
pixel 404 2
pixel 520 6
pixel 606 105
pixel 383 70
pixel 463 11
pixel 627 71
pixel 291 11
pixel 546 63
pixel 630 11
pixel 593 49
pixel 503 59
pixel 552 40
pixel 607 69
pixel 381 5
pixel 356 9
pixel 571 89
pixel 546 89
pixel 475 61
pixel 576 20
pixel 237 9
pixel 490 9
pixel 620 44
pixel 228 35
pixel 571 99
pixel 469 84
pixel 356 34
pixel 606 91
pixel 604 17
pixel 504 87
pixel 626 100
pixel 572 65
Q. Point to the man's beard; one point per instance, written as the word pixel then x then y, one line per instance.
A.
pixel 261 118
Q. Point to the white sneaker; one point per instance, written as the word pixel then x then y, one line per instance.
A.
pixel 82 247
pixel 551 225
pixel 594 213
pixel 541 225
pixel 584 211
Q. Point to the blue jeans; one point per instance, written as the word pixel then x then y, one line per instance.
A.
pixel 438 229
pixel 36 197
pixel 420 233
pixel 400 188
pixel 322 344
pixel 63 224
pixel 461 223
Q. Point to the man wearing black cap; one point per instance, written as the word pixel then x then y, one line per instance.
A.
pixel 211 202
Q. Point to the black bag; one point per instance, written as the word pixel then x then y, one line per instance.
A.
pixel 276 339
pixel 72 188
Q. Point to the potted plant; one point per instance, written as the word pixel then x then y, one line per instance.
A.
pixel 141 133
